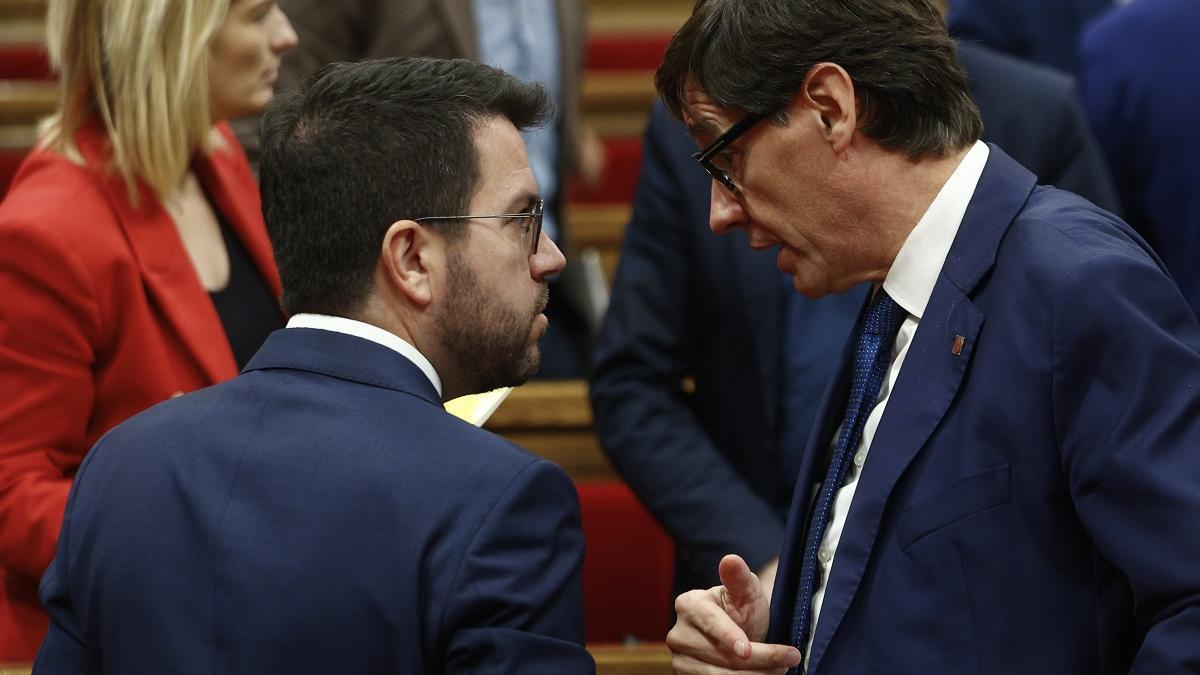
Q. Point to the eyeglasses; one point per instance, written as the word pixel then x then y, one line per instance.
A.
pixel 530 221
pixel 706 156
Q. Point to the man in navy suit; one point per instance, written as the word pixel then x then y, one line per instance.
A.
pixel 1139 69
pixel 686 304
pixel 1001 478
pixel 322 512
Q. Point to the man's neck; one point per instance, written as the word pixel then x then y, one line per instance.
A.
pixel 901 191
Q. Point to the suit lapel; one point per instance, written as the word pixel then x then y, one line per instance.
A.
pixel 459 18
pixel 928 383
pixel 169 278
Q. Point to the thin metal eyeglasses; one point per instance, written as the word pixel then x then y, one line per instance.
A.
pixel 532 227
pixel 705 156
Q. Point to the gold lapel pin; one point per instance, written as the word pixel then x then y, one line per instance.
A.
pixel 959 342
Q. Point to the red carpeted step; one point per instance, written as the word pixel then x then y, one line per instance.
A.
pixel 625 52
pixel 21 61
pixel 629 566
pixel 623 163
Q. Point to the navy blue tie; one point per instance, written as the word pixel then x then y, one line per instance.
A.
pixel 872 349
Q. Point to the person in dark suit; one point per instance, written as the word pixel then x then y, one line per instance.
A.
pixel 686 304
pixel 322 512
pixel 1044 31
pixel 1139 74
pixel 1016 402
pixel 1034 114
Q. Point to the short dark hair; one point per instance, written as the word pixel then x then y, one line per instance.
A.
pixel 368 144
pixel 753 55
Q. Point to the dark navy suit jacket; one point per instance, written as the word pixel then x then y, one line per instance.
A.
pixel 320 513
pixel 1035 114
pixel 691 306
pixel 1140 75
pixel 1030 505
pixel 1045 31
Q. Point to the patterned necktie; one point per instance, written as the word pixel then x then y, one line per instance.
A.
pixel 872 350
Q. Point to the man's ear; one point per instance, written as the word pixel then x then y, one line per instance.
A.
pixel 410 257
pixel 828 94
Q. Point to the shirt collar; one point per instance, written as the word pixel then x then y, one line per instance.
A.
pixel 340 324
pixel 913 274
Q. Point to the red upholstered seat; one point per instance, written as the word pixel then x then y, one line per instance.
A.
pixel 628 570
pixel 24 61
pixel 623 157
pixel 626 52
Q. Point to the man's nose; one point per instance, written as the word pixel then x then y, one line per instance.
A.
pixel 725 211
pixel 548 260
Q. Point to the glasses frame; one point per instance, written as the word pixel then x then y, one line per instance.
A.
pixel 535 214
pixel 704 157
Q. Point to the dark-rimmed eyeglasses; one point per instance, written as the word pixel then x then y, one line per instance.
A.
pixel 530 222
pixel 706 156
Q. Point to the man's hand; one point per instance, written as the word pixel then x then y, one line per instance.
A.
pixel 720 630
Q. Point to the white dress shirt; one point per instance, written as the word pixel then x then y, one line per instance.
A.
pixel 366 331
pixel 910 283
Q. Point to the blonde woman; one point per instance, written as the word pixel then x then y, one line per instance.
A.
pixel 134 265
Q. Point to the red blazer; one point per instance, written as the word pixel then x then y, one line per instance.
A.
pixel 101 316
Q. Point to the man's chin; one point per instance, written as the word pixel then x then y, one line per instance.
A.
pixel 529 366
pixel 540 325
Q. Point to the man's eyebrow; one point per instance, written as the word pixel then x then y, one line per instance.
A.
pixel 525 200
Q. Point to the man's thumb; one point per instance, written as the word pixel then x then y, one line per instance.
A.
pixel 740 583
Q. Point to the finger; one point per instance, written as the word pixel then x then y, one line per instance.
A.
pixel 772 656
pixel 740 583
pixel 756 656
pixel 704 629
pixel 687 665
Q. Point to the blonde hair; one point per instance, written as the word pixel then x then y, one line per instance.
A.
pixel 141 67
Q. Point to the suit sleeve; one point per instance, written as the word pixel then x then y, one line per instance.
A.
pixel 516 605
pixel 645 349
pixel 999 25
pixel 65 648
pixel 1112 116
pixel 48 326
pixel 1127 411
pixel 1079 165
pixel 572 39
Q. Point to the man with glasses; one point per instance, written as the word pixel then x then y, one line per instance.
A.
pixel 686 304
pixel 1002 476
pixel 322 512
pixel 536 40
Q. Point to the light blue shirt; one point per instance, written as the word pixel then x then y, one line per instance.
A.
pixel 521 38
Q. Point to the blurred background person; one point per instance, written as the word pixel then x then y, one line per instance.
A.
pixel 1045 31
pixel 1139 69
pixel 716 462
pixel 538 41
pixel 134 262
